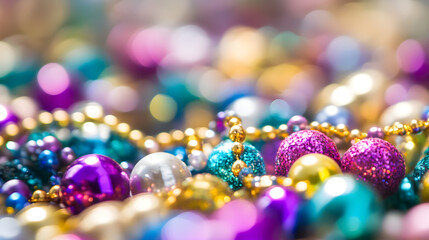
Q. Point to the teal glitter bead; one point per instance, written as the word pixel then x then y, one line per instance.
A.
pixel 420 170
pixel 344 208
pixel 221 159
pixel 405 198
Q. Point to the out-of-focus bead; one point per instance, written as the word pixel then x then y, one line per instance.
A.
pixel 268 133
pixel 237 166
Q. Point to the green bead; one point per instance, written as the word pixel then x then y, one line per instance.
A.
pixel 344 208
pixel 221 159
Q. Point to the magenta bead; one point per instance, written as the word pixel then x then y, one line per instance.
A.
pixel 301 143
pixel 415 223
pixel 296 123
pixel 376 162
pixel 51 143
pixel 91 179
pixel 375 132
pixel 67 156
pixel 18 186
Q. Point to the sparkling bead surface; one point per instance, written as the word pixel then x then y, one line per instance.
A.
pixel 222 158
pixel 376 162
pixel 301 143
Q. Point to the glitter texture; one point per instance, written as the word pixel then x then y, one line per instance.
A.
pixel 300 143
pixel 376 162
pixel 221 160
pixel 420 170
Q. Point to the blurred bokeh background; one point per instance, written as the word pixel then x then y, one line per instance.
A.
pixel 164 64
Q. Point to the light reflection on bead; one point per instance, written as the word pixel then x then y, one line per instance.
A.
pixel 197 159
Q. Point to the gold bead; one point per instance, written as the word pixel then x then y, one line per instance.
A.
pixel 61 117
pixel 93 111
pixel 237 166
pixel 123 129
pixel 314 125
pixel 177 136
pixel 190 132
pixel 29 123
pixel 416 126
pixel 253 134
pixel 268 133
pixel 135 136
pixel 39 196
pixel 282 131
pixel 232 121
pixel 399 129
pixel 355 135
pixel 342 130
pixel 164 139
pixel 237 134
pixel 193 144
pixel 54 193
pixel 78 118
pixel 111 121
pixel 45 118
pixel 201 132
pixel 315 169
pixel 11 129
pixel 327 128
pixel 237 148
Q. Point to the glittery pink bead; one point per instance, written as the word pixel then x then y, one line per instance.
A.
pixel 302 143
pixel 376 162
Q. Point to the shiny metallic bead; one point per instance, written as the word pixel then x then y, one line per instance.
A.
pixel 268 133
pixel 327 128
pixel 237 134
pixel 237 166
pixel 39 196
pixel 314 125
pixel 232 121
pixel 416 126
pixel 342 130
pixel 399 129
pixel 237 148
pixel 197 160
pixel 253 134
pixel 282 132
pixel 54 193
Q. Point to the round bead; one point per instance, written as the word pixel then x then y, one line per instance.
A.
pixel 405 198
pixel 376 132
pixel 54 193
pixel 158 172
pixel 48 159
pixel 282 204
pixel 51 143
pixel 16 185
pixel 301 143
pixel 67 155
pixel 237 148
pixel 16 202
pixel 414 224
pixel 376 162
pixel 203 192
pixel 237 166
pixel 296 123
pixel 344 207
pixel 237 134
pixel 315 169
pixel 197 159
pixel 91 179
pixel 39 196
pixel 222 158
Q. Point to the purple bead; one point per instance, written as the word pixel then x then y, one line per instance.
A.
pixel 31 147
pixel 51 143
pixel 375 132
pixel 301 143
pixel 296 123
pixel 18 186
pixel 67 156
pixel 268 150
pixel 91 179
pixel 6 116
pixel 376 162
pixel 281 204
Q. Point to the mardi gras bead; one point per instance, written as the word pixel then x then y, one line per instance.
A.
pixel 101 221
pixel 16 185
pixel 282 204
pixel 421 168
pixel 203 192
pixel 38 215
pixel 314 168
pixel 300 143
pixel 415 223
pixel 158 172
pixel 91 179
pixel 405 198
pixel 222 158
pixel 376 162
pixel 344 208
pixel 15 202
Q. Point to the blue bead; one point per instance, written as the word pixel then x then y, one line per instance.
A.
pixel 335 115
pixel 344 208
pixel 222 158
pixel 48 159
pixel 16 201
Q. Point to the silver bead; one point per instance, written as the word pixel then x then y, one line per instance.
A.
pixel 158 172
pixel 197 159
